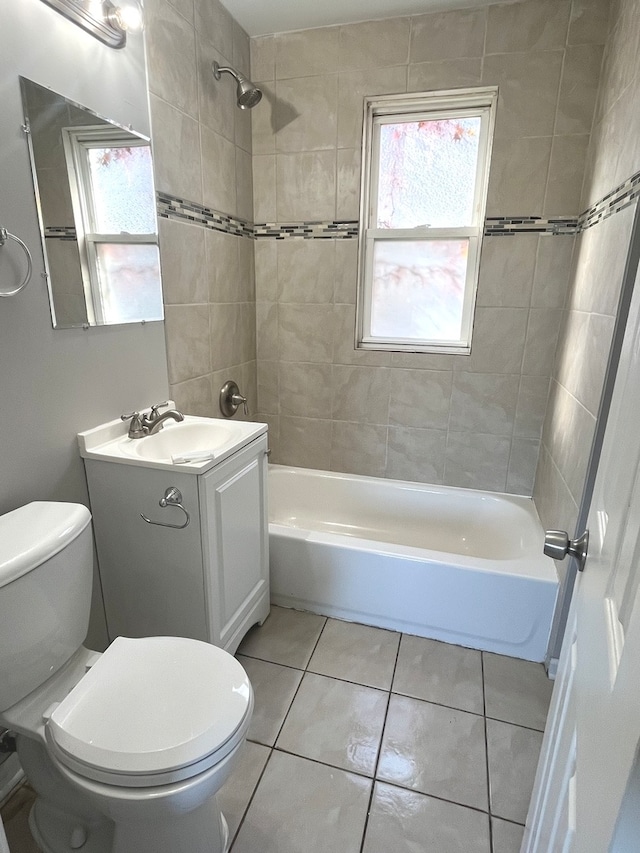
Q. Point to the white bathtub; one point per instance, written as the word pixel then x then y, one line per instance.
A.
pixel 457 565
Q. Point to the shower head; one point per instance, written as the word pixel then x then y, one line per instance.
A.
pixel 247 95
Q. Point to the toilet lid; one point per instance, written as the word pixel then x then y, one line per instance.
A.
pixel 152 705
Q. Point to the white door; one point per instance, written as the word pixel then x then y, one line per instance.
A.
pixel 588 772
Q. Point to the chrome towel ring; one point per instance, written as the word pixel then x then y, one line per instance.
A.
pixel 172 497
pixel 4 236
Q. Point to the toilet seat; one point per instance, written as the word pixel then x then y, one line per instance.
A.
pixel 152 711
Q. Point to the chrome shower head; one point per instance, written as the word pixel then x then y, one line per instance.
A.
pixel 247 95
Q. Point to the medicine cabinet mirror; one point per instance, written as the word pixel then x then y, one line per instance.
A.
pixel 93 182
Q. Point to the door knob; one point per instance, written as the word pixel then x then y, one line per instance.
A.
pixel 557 545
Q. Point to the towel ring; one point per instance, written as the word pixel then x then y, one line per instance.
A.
pixel 172 497
pixel 4 236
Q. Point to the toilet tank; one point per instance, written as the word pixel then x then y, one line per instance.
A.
pixel 46 572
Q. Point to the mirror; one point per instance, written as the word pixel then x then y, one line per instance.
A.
pixel 93 182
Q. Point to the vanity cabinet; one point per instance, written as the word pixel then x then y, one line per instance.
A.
pixel 208 580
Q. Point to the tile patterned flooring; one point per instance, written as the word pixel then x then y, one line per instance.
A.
pixel 370 741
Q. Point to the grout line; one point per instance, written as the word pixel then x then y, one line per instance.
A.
pixel 517 725
pixel 554 134
pixel 373 778
pixel 400 787
pixel 509 820
pixel 303 671
pixel 272 747
pixel 394 693
pixel 232 840
pixel 379 755
pixel 486 749
pixel 439 798
pixel 360 773
pixel 326 619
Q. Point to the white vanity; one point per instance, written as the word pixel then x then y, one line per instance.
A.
pixel 197 564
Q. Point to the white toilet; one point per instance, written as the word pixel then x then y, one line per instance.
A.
pixel 125 749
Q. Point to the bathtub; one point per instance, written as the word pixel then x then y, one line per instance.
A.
pixel 457 565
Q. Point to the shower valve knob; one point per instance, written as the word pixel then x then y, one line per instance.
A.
pixel 231 399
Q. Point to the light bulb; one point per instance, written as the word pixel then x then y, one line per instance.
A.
pixel 126 15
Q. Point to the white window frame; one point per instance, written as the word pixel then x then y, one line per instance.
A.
pixel 415 107
pixel 76 141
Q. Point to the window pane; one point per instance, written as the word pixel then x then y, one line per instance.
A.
pixel 122 182
pixel 418 289
pixel 427 173
pixel 129 280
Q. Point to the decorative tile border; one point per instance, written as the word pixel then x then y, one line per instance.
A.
pixel 510 225
pixel 170 207
pixel 496 225
pixel 619 198
pixel 327 230
pixel 60 232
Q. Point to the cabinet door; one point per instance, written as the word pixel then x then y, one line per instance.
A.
pixel 235 542
pixel 151 576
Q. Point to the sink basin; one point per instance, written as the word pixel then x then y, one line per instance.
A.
pixel 182 438
pixel 211 439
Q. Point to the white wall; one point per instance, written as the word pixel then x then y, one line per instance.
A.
pixel 54 383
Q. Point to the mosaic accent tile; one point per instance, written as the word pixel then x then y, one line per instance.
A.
pixel 616 200
pixel 324 230
pixel 498 225
pixel 170 207
pixel 60 232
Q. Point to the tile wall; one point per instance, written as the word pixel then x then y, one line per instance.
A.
pixel 461 420
pixel 613 158
pixel 202 153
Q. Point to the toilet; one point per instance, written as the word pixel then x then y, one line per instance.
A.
pixel 126 749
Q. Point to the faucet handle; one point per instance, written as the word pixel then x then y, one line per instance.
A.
pixel 136 428
pixel 239 400
pixel 154 409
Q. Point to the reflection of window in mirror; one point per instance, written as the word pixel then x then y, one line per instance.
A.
pixel 110 177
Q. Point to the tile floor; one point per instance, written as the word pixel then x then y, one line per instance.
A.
pixel 369 741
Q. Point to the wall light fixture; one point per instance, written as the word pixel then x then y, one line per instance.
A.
pixel 107 20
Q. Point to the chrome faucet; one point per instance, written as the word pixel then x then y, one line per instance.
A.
pixel 148 424
pixel 155 424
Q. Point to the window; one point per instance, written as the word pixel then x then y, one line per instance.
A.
pixel 112 192
pixel 425 173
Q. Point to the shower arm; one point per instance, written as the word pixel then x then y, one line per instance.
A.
pixel 219 70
